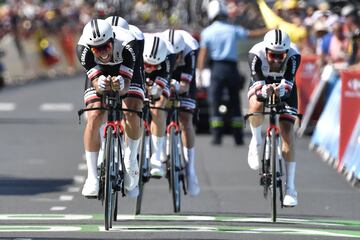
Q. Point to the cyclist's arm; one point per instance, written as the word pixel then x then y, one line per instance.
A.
pixel 85 57
pixel 257 80
pixel 288 80
pixel 126 69
pixel 188 72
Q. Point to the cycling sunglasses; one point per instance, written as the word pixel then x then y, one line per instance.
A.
pixel 151 67
pixel 104 47
pixel 276 56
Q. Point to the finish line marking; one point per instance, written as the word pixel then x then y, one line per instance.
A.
pixel 217 218
pixel 183 228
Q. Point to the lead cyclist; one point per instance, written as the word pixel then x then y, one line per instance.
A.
pixel 273 65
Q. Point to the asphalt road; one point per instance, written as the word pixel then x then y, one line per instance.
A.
pixel 42 171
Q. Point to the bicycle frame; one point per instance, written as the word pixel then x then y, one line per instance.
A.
pixel 174 152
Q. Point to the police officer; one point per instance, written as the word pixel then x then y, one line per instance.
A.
pixel 219 41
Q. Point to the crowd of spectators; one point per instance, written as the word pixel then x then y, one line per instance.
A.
pixel 331 27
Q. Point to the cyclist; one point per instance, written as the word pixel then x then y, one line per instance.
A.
pixel 103 52
pixel 273 64
pixel 157 74
pixel 186 48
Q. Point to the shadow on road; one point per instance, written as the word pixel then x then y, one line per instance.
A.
pixel 27 186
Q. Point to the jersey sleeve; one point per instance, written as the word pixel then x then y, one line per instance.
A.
pixel 129 57
pixel 163 75
pixel 190 67
pixel 288 80
pixel 85 57
pixel 257 77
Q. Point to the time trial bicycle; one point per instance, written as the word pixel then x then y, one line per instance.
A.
pixel 271 170
pixel 112 168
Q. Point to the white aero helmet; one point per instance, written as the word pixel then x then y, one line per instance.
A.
pixel 216 8
pixel 277 40
pixel 155 50
pixel 97 32
pixel 118 21
pixel 176 39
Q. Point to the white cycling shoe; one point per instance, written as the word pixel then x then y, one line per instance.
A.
pixel 254 154
pixel 193 186
pixel 290 199
pixel 91 188
pixel 131 174
pixel 156 167
pixel 133 193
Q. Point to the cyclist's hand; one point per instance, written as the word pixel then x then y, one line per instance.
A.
pixel 103 83
pixel 118 83
pixel 174 85
pixel 266 90
pixel 279 90
pixel 155 91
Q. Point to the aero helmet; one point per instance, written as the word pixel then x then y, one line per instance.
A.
pixel 118 21
pixel 155 50
pixel 97 32
pixel 277 40
pixel 176 39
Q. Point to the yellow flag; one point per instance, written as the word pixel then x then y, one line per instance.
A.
pixel 296 33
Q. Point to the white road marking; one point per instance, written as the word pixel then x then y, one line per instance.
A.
pixel 79 179
pixel 45 217
pixel 57 107
pixel 33 228
pixel 66 198
pixel 82 166
pixel 7 106
pixel 73 189
pixel 57 208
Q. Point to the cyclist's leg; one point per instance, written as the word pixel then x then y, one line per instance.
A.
pixel 92 140
pixel 188 138
pixel 158 128
pixel 255 146
pixel 288 140
pixel 133 130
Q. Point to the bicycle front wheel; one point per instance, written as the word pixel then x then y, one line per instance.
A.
pixel 144 169
pixel 108 190
pixel 273 160
pixel 175 169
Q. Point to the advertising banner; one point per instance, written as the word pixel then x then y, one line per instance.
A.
pixel 349 119
pixel 327 131
pixel 307 78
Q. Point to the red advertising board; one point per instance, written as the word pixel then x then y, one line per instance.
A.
pixel 350 107
pixel 307 78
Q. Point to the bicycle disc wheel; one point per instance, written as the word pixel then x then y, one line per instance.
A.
pixel 273 158
pixel 108 196
pixel 143 170
pixel 174 169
